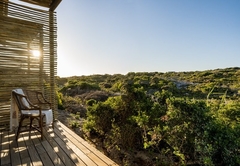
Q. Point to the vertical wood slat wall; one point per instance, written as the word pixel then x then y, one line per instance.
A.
pixel 24 30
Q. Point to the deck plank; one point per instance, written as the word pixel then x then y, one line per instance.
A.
pixel 60 152
pixel 14 150
pixel 24 154
pixel 81 160
pixel 90 148
pixel 41 150
pixel 83 152
pixel 36 161
pixel 53 156
pixel 60 147
pixel 5 152
pixel 45 159
pixel 26 161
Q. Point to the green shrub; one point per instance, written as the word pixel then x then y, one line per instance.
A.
pixel 59 99
pixel 177 124
pixel 74 124
pixel 91 102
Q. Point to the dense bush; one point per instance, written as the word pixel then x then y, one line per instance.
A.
pixel 185 130
pixel 172 120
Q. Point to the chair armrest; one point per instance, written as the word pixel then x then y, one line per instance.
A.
pixel 44 99
pixel 38 98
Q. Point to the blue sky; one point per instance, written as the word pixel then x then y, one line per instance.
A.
pixel 121 36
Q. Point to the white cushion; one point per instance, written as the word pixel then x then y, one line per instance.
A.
pixel 48 114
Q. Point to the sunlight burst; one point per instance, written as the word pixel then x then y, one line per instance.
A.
pixel 36 53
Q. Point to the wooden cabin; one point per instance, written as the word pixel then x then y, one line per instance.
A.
pixel 28 50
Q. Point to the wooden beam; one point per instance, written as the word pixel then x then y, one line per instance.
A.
pixel 54 4
pixel 43 3
pixel 51 4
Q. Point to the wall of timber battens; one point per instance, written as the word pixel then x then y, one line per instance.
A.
pixel 23 31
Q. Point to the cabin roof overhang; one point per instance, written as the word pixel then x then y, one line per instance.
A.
pixel 51 4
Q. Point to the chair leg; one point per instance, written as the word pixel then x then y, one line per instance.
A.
pixel 41 127
pixel 53 124
pixel 30 127
pixel 19 127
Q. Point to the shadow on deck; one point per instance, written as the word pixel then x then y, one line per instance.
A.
pixel 60 146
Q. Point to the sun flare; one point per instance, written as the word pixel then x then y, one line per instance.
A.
pixel 36 53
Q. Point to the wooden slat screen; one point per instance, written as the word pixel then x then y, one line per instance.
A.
pixel 23 31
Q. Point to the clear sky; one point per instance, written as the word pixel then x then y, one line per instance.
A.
pixel 121 36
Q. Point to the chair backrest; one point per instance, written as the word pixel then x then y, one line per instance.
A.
pixel 33 96
pixel 21 100
pixel 37 98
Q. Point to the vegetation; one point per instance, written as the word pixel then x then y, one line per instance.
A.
pixel 173 118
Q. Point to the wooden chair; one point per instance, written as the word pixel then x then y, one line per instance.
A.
pixel 32 111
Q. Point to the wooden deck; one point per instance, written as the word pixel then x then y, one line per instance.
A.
pixel 60 146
